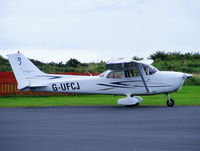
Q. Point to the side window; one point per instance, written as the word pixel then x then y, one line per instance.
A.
pixel 131 73
pixel 115 74
pixel 110 75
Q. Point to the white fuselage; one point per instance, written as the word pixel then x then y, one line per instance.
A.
pixel 159 82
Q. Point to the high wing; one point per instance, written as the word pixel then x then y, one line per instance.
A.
pixel 132 64
pixel 126 64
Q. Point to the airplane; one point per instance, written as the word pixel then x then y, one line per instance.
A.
pixel 122 77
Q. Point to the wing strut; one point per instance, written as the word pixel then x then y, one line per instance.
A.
pixel 142 76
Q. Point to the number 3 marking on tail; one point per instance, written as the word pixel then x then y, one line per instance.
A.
pixel 19 60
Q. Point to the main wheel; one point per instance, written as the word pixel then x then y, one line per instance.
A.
pixel 170 102
pixel 133 105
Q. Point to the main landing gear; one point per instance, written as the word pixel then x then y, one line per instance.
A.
pixel 170 102
pixel 130 100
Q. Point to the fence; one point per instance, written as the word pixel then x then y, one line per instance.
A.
pixel 8 85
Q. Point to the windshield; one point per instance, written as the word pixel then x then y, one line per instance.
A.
pixel 103 73
pixel 149 69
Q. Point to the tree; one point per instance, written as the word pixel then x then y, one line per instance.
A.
pixel 72 63
pixel 137 58
pixel 161 55
pixel 3 60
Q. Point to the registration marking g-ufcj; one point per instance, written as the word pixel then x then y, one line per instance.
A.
pixel 66 86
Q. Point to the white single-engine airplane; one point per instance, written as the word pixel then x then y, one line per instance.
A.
pixel 130 78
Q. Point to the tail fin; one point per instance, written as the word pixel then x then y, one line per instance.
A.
pixel 23 69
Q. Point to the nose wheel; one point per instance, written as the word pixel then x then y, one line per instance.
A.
pixel 170 102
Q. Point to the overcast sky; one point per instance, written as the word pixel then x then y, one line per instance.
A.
pixel 94 30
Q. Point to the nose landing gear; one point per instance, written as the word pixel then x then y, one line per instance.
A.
pixel 170 102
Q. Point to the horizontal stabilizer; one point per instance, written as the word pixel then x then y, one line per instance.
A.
pixel 37 85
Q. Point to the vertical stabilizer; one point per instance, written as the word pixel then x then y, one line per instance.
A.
pixel 23 69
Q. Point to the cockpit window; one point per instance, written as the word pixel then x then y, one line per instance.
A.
pixel 149 70
pixel 131 73
pixel 128 73
pixel 115 74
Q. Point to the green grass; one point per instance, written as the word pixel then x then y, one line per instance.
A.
pixel 189 95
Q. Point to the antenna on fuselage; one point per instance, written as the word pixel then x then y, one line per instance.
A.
pixel 88 72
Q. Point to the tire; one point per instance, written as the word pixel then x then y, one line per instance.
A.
pixel 170 103
pixel 133 105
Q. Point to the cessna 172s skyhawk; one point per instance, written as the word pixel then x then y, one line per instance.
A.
pixel 130 78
